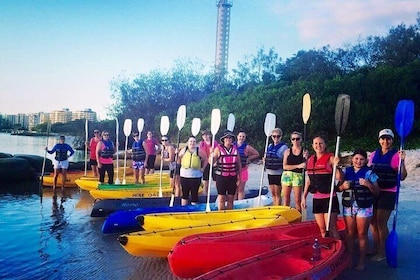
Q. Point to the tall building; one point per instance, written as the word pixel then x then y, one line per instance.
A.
pixel 222 38
pixel 85 114
pixel 61 116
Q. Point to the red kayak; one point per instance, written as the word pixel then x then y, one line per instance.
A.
pixel 292 261
pixel 222 248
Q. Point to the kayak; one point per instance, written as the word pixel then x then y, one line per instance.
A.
pixel 159 221
pixel 125 221
pixel 288 260
pixel 242 244
pixel 158 243
pixel 135 193
pixel 105 207
pixel 73 175
pixel 88 184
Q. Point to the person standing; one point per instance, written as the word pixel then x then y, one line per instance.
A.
pixel 193 161
pixel 168 156
pixel 385 163
pixel 359 187
pixel 274 164
pixel 62 152
pixel 319 169
pixel 151 149
pixel 92 152
pixel 138 154
pixel 104 153
pixel 227 170
pixel 247 154
pixel 206 146
pixel 294 163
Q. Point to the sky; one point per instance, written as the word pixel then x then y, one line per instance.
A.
pixel 58 54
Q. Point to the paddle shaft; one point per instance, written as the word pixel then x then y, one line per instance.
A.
pixel 86 145
pixel 262 172
pixel 210 173
pixel 41 181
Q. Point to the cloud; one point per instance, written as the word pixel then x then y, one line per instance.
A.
pixel 332 22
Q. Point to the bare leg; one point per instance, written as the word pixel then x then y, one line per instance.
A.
pixel 222 202
pixel 362 233
pixel 229 204
pixel 240 191
pixel 275 191
pixel 351 236
pixel 297 192
pixel 205 186
pixel 136 175
pixel 381 223
pixel 286 190
pixel 141 175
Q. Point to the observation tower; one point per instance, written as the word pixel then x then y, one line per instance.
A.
pixel 222 38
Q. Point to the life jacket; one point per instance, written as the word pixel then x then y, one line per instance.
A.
pixel 320 173
pixel 272 160
pixel 108 149
pixel 191 160
pixel 361 194
pixel 241 150
pixel 227 164
pixel 381 165
pixel 139 154
pixel 61 152
pixel 295 160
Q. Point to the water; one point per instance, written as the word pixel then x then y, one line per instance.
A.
pixel 56 239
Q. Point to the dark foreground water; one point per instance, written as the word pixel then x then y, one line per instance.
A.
pixel 59 240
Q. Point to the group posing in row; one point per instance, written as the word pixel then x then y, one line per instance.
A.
pixel 368 186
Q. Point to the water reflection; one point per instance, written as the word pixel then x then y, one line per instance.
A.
pixel 58 218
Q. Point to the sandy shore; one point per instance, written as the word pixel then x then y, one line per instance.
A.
pixel 408 230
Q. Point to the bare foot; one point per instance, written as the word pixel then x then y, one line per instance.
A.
pixel 360 267
pixel 378 258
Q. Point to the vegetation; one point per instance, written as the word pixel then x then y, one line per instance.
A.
pixel 376 72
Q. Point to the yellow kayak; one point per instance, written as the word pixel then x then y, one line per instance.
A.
pixel 132 193
pixel 89 184
pixel 159 243
pixel 158 221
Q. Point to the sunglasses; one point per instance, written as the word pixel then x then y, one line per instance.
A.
pixel 164 140
pixel 106 134
pixel 295 139
pixel 135 135
pixel 275 136
pixel 96 132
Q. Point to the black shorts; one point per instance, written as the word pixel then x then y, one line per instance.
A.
pixel 93 162
pixel 150 164
pixel 274 180
pixel 321 205
pixel 226 184
pixel 206 173
pixel 385 200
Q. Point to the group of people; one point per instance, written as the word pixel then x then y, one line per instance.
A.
pixel 368 186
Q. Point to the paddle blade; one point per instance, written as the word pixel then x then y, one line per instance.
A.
pixel 392 249
pixel 306 108
pixel 215 121
pixel 231 122
pixel 404 117
pixel 342 109
pixel 181 116
pixel 195 126
pixel 140 125
pixel 164 125
pixel 127 127
pixel 269 123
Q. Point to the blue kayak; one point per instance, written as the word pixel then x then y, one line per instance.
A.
pixel 124 221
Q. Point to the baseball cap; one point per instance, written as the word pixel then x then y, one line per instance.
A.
pixel 386 132
pixel 205 132
pixel 96 131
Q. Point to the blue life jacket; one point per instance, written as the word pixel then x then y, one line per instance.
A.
pixel 61 152
pixel 272 160
pixel 109 150
pixel 361 194
pixel 139 154
pixel 381 165
pixel 241 150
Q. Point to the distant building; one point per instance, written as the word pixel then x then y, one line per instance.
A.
pixel 83 115
pixel 61 116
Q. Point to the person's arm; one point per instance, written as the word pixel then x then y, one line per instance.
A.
pixel 252 153
pixel 204 159
pixel 70 149
pixel 305 191
pixel 98 152
pixel 403 169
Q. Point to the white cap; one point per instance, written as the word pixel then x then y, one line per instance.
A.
pixel 386 132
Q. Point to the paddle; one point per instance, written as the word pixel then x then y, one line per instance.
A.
pixel 230 122
pixel 117 128
pixel 180 121
pixel 195 126
pixel 140 126
pixel 404 117
pixel 306 113
pixel 269 125
pixel 86 145
pixel 41 181
pixel 342 109
pixel 215 124
pixel 128 124
pixel 164 128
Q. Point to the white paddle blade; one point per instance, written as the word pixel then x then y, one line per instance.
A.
pixel 164 125
pixel 215 121
pixel 195 126
pixel 306 108
pixel 140 125
pixel 127 127
pixel 231 122
pixel 269 124
pixel 181 116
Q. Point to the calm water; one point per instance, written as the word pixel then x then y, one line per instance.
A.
pixel 58 239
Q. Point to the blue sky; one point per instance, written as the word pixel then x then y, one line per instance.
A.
pixel 63 54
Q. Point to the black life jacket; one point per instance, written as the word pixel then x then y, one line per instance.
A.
pixel 61 152
pixel 272 160
pixel 109 150
pixel 361 194
pixel 139 154
pixel 381 165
